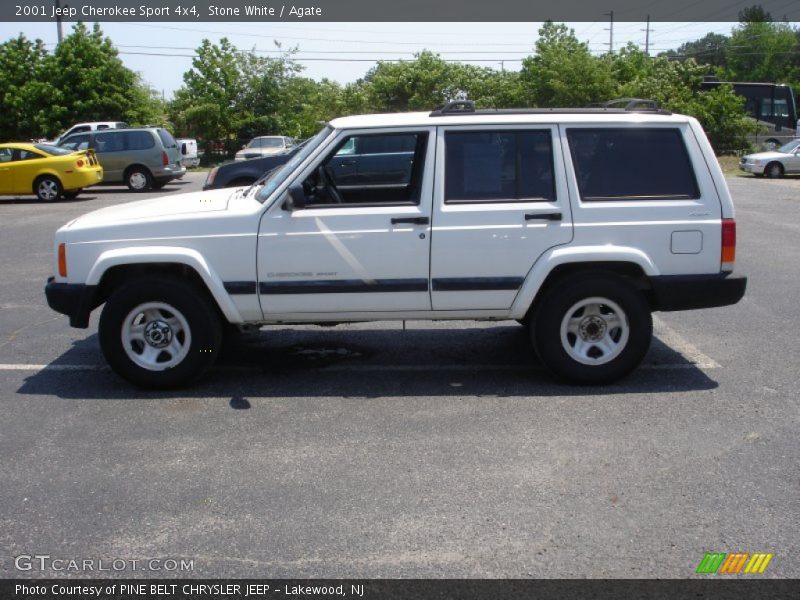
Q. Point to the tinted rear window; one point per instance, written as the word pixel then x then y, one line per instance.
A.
pixel 167 139
pixel 139 140
pixel 499 166
pixel 50 149
pixel 631 164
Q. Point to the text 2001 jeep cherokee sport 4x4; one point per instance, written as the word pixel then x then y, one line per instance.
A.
pixel 578 223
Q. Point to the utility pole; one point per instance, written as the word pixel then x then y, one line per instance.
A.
pixel 58 22
pixel 610 30
pixel 647 37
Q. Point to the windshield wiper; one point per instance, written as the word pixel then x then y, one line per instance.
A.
pixel 260 181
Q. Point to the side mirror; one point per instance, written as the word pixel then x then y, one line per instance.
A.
pixel 296 198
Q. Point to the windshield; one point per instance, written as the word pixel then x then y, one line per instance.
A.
pixel 266 143
pixel 54 150
pixel 790 147
pixel 279 175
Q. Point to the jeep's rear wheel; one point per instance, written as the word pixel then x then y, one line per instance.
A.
pixel 592 329
pixel 159 333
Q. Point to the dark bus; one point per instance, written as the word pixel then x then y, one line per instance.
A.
pixel 771 104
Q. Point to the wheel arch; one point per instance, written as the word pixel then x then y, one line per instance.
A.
pixel 132 166
pixel 629 263
pixel 116 266
pixel 48 173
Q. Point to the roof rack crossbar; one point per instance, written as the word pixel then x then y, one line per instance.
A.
pixel 454 107
pixel 619 105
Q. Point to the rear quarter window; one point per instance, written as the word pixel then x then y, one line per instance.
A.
pixel 167 139
pixel 633 163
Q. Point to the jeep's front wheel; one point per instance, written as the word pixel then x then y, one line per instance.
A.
pixel 159 333
pixel 592 330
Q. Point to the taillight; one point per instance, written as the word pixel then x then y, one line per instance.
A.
pixel 79 164
pixel 62 260
pixel 164 158
pixel 728 244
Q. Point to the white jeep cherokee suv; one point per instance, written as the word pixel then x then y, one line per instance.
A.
pixel 576 222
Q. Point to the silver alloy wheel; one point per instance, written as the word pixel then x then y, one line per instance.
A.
pixel 156 336
pixel 47 189
pixel 137 180
pixel 775 170
pixel 594 331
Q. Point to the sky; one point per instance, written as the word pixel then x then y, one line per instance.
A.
pixel 344 52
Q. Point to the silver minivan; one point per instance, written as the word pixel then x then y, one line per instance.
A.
pixel 143 159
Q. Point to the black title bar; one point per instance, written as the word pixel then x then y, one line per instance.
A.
pixel 194 11
pixel 708 588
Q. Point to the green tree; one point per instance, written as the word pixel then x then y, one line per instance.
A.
pixel 709 50
pixel 232 95
pixel 21 97
pixel 761 51
pixel 563 72
pixel 89 82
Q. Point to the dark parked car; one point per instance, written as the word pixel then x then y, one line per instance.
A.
pixel 245 172
pixel 359 163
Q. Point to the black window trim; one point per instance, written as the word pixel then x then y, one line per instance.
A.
pixel 649 199
pixel 516 129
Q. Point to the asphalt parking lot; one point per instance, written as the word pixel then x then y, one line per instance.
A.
pixel 435 451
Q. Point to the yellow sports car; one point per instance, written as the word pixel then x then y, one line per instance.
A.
pixel 48 171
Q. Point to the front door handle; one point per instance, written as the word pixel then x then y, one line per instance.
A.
pixel 414 220
pixel 552 216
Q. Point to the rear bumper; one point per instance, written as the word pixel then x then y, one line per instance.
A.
pixel 74 300
pixel 687 292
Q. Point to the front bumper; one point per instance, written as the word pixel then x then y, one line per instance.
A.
pixel 72 299
pixel 751 168
pixel 687 292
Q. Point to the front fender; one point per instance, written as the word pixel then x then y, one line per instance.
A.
pixel 169 255
pixel 561 255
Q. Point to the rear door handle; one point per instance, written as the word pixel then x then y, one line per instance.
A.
pixel 348 163
pixel 553 216
pixel 414 220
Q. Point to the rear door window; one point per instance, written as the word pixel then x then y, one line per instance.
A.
pixel 109 141
pixel 633 163
pixel 499 166
pixel 139 140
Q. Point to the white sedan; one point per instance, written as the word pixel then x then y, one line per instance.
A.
pixel 775 163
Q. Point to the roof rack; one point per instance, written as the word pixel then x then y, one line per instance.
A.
pixel 632 104
pixel 620 105
pixel 454 107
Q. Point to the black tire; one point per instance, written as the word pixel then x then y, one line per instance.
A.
pixel 48 188
pixel 157 185
pixel 138 179
pixel 72 195
pixel 774 170
pixel 176 299
pixel 552 311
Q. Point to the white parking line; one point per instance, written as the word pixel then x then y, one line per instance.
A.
pixel 674 340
